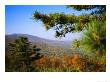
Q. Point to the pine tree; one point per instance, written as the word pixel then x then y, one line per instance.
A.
pixel 20 52
pixel 69 23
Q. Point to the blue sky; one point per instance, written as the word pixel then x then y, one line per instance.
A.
pixel 18 19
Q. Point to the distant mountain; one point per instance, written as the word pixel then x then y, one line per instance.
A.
pixel 47 46
pixel 35 39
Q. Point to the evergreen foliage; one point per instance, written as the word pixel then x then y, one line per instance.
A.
pixel 20 55
pixel 67 23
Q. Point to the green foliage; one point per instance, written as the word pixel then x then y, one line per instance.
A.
pixel 19 55
pixel 94 38
pixel 99 9
pixel 76 44
pixel 66 23
pixel 62 23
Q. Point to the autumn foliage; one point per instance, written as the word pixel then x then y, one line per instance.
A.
pixel 72 63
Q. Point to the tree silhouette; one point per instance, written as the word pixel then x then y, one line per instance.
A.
pixel 20 54
pixel 67 23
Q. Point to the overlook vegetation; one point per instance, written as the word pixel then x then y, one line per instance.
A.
pixel 87 54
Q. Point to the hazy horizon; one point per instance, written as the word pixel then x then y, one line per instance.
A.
pixel 38 36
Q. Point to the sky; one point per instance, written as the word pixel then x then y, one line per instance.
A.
pixel 18 20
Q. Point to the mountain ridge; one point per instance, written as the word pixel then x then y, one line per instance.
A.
pixel 33 38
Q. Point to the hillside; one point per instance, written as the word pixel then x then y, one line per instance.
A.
pixel 47 46
pixel 41 40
